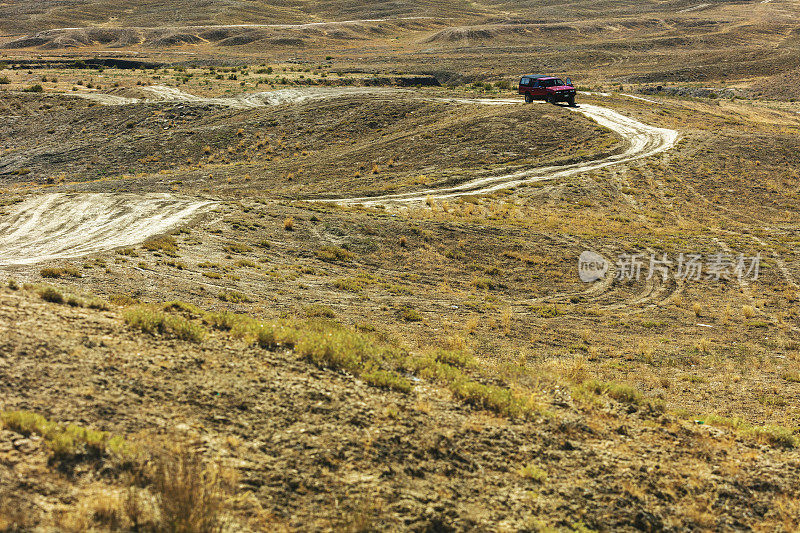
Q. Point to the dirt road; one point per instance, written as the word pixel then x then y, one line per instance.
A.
pixel 643 141
pixel 60 226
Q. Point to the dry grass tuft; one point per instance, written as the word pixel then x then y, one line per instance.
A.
pixel 333 254
pixel 67 440
pixel 60 272
pixel 166 245
pixel 156 322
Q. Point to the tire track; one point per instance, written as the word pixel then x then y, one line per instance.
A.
pixel 63 226
pixel 57 226
pixel 643 141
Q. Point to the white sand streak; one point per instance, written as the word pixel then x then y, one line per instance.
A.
pixel 60 226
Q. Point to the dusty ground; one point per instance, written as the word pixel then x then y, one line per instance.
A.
pixel 494 275
pixel 315 449
pixel 749 48
pixel 491 389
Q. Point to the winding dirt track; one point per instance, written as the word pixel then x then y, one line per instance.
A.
pixel 643 141
pixel 61 226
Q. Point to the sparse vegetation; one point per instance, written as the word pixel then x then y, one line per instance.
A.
pixel 178 491
pixel 155 322
pixel 67 441
pixel 166 245
pixel 425 364
pixel 334 254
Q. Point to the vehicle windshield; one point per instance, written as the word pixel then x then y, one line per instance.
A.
pixel 552 83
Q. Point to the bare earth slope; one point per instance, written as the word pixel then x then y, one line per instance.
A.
pixel 642 141
pixel 316 449
pixel 54 226
pixel 50 226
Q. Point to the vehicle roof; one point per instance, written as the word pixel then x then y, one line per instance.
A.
pixel 540 76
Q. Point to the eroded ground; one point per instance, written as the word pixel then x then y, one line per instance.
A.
pixel 618 405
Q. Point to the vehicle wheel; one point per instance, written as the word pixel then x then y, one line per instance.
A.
pixel 571 101
pixel 528 98
pixel 550 99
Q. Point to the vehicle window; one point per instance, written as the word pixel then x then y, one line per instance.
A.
pixel 558 82
pixel 525 81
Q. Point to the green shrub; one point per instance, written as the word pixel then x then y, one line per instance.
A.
pixel 458 358
pixel 183 307
pixel 246 263
pixel 618 391
pixel 180 265
pixel 792 377
pixel 236 248
pixel 492 397
pixel 387 380
pixel 534 473
pixel 224 320
pixel 545 311
pixel 235 297
pixel 776 436
pixel 349 284
pixel 67 440
pixel 59 272
pixel 398 289
pixel 485 283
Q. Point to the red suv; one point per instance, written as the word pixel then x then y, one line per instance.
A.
pixel 547 88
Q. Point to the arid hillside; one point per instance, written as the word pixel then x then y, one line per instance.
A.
pixel 316 266
pixel 726 45
pixel 113 423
